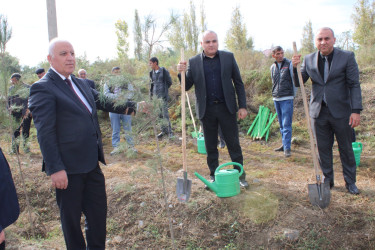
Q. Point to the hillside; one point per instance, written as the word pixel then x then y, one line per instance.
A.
pixel 273 213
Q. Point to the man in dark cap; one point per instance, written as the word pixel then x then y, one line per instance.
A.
pixel 40 72
pixel 18 95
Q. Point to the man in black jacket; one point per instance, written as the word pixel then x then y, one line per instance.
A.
pixel 220 95
pixel 9 207
pixel 65 116
pixel 160 82
pixel 283 95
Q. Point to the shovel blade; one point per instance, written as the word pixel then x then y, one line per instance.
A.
pixel 183 188
pixel 319 194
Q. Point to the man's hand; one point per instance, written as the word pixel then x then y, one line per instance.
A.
pixel 354 120
pixel 59 180
pixel 296 60
pixel 181 66
pixel 242 113
pixel 2 236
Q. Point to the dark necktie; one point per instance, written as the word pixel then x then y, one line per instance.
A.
pixel 326 68
pixel 326 72
pixel 71 87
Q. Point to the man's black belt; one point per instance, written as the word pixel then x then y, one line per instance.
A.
pixel 217 102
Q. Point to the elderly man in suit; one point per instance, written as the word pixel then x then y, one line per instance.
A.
pixel 335 105
pixel 65 116
pixel 82 74
pixel 218 88
pixel 9 207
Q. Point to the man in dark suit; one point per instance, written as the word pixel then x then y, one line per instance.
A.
pixel 64 110
pixel 83 75
pixel 9 207
pixel 335 105
pixel 218 88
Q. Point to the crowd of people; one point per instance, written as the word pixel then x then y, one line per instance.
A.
pixel 64 109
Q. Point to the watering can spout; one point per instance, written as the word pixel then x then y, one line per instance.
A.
pixel 211 185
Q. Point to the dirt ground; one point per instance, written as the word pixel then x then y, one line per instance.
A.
pixel 274 213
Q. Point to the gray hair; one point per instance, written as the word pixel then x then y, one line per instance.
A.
pixel 81 70
pixel 206 33
pixel 53 43
pixel 326 28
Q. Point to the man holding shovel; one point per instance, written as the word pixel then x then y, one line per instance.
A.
pixel 335 105
pixel 218 84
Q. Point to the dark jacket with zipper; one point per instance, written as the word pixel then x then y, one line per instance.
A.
pixel 282 83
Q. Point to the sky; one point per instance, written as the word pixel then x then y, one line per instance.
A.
pixel 90 24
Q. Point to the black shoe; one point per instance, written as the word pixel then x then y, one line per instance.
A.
pixel 352 188
pixel 287 153
pixel 331 184
pixel 212 179
pixel 160 135
pixel 244 184
pixel 279 149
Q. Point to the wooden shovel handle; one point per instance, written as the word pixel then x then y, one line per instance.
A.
pixel 183 115
pixel 191 112
pixel 313 145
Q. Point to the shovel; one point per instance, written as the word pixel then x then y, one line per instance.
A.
pixel 183 184
pixel 319 193
pixel 192 117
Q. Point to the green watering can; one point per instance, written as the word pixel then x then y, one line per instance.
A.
pixel 227 181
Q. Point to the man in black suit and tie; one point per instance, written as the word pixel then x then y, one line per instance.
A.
pixel 335 105
pixel 65 115
pixel 82 74
pixel 218 88
pixel 9 207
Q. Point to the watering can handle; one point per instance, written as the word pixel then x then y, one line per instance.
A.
pixel 230 163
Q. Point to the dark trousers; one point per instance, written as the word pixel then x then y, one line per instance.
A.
pixel 218 114
pixel 325 128
pixel 85 194
pixel 24 124
pixel 2 246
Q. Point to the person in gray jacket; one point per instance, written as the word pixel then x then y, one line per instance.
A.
pixel 283 96
pixel 335 103
pixel 160 82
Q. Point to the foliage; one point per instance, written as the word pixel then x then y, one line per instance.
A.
pixel 122 36
pixel 151 35
pixel 236 37
pixel 137 36
pixel 5 33
pixel 364 25
pixel 307 42
pixel 184 32
pixel 203 24
pixel 345 40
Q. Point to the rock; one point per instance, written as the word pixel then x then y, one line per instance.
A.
pixel 256 181
pixel 140 223
pixel 143 204
pixel 291 234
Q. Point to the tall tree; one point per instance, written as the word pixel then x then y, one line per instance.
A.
pixel 236 37
pixel 185 32
pixel 5 33
pixel 194 28
pixel 137 36
pixel 307 42
pixel 122 36
pixel 203 23
pixel 364 23
pixel 152 35
pixel 345 40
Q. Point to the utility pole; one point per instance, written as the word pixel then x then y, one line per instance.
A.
pixel 51 19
